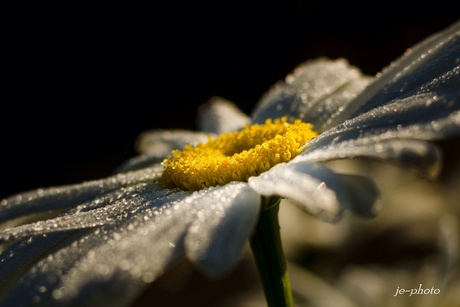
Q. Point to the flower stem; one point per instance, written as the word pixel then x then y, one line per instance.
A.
pixel 269 256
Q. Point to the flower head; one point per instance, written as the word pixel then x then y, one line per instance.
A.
pixel 198 194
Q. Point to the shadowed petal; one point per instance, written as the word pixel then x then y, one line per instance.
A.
pixel 216 116
pixel 155 145
pixel 162 142
pixel 219 115
pixel 18 257
pixel 141 161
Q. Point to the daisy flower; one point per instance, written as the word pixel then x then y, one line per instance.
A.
pixel 204 194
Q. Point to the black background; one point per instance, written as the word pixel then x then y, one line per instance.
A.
pixel 82 80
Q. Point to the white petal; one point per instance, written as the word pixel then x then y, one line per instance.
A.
pixel 68 196
pixel 424 116
pixel 136 248
pixel 315 189
pixel 225 220
pixel 219 115
pixel 417 97
pixel 413 72
pixel 19 256
pixel 216 116
pixel 162 142
pixel 318 91
pixel 155 145
pixel 106 209
pixel 113 263
pixel 423 156
pixel 361 193
pixel 142 161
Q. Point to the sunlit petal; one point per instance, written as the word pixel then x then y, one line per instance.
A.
pixel 314 188
pixel 414 72
pixel 68 196
pixel 317 92
pixel 423 156
pixel 135 250
pixel 107 209
pixel 221 228
pixel 422 116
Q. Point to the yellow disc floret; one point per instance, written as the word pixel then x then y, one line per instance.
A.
pixel 237 155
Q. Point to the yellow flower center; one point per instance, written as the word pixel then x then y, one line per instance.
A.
pixel 237 155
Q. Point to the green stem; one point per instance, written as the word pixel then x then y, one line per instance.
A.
pixel 269 256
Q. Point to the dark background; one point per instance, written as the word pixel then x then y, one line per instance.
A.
pixel 82 80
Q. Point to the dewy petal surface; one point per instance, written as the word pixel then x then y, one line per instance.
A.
pixel 423 156
pixel 120 204
pixel 221 228
pixel 316 92
pixel 316 189
pixel 138 248
pixel 423 116
pixel 416 97
pixel 78 272
pixel 68 196
pixel 414 71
